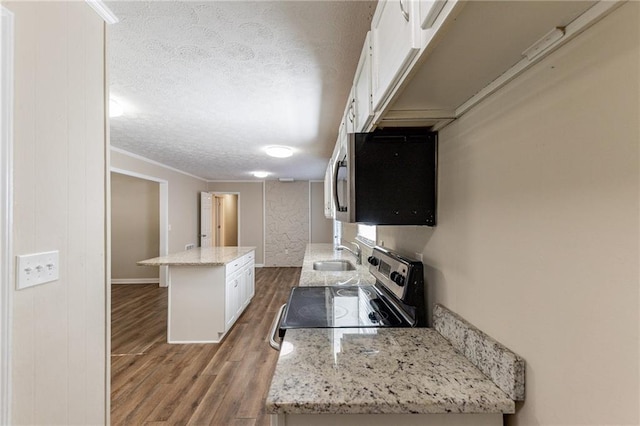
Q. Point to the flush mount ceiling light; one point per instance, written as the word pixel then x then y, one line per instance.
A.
pixel 279 151
pixel 115 109
pixel 261 174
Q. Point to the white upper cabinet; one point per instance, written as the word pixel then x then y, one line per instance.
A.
pixel 395 41
pixel 468 50
pixel 429 11
pixel 328 179
pixel 427 62
pixel 363 102
pixel 349 119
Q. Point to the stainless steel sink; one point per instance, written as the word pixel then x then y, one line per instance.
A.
pixel 333 265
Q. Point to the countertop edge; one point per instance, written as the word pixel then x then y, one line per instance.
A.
pixel 457 407
pixel 183 258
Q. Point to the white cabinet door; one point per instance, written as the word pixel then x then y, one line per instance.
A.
pixel 349 118
pixel 242 291
pixel 250 282
pixel 429 11
pixel 229 302
pixel 328 177
pixel 342 139
pixel 362 88
pixel 232 298
pixel 395 40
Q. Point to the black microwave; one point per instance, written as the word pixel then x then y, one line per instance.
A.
pixel 387 177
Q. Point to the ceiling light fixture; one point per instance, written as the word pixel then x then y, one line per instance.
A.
pixel 115 109
pixel 261 174
pixel 279 151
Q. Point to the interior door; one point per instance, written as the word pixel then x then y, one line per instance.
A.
pixel 206 207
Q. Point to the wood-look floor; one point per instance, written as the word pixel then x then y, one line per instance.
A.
pixel 153 382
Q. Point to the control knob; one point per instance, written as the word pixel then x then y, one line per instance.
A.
pixel 373 260
pixel 397 278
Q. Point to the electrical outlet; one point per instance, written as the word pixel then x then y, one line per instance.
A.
pixel 418 256
pixel 189 246
pixel 38 268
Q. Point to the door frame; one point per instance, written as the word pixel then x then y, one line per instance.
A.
pixel 214 193
pixel 218 221
pixel 164 217
pixel 6 210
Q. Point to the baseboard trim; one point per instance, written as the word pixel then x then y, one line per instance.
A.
pixel 259 265
pixel 135 281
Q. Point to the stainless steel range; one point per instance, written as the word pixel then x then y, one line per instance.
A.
pixel 395 300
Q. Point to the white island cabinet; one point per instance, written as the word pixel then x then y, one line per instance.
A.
pixel 209 288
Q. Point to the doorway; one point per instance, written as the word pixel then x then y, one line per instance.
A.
pixel 163 186
pixel 135 225
pixel 225 220
pixel 220 219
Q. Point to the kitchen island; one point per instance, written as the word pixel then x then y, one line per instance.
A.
pixel 209 288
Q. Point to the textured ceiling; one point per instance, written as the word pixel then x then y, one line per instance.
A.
pixel 206 86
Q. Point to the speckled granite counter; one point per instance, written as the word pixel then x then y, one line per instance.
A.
pixel 209 256
pixel 380 371
pixel 316 252
pixel 352 376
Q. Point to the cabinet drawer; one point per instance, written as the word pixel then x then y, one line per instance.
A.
pixel 233 266
pixel 249 257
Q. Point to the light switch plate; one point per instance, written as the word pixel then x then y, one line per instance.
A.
pixel 38 268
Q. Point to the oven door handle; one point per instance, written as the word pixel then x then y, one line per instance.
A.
pixel 275 327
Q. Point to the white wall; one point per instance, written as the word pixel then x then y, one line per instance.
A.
pixel 537 241
pixel 59 329
pixel 184 195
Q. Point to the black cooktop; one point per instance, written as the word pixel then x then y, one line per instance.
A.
pixel 334 307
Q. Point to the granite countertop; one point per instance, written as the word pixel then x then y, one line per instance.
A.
pixel 378 371
pixel 208 256
pixel 316 252
pixel 390 370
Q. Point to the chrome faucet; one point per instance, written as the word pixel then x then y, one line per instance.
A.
pixel 357 253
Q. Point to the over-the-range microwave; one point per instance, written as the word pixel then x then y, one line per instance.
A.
pixel 387 177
